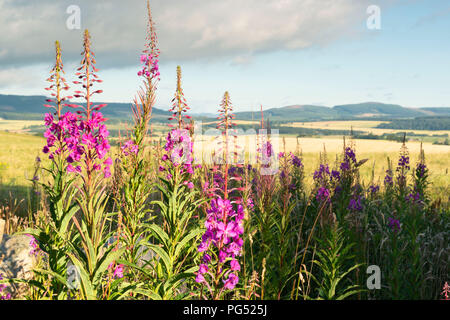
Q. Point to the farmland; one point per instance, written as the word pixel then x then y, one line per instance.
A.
pixel 19 150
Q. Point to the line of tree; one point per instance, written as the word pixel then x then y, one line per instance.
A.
pixel 420 123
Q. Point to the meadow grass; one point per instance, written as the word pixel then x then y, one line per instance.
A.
pixel 18 125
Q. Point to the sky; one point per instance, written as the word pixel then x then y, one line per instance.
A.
pixel 272 53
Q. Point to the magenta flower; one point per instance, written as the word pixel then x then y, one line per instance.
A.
pixel 3 287
pixel 222 238
pixel 118 270
pixel 199 278
pixel 130 148
pixel 34 246
pixel 235 266
pixel 72 136
pixel 150 68
pixel 394 224
pixel 231 282
pixel 203 268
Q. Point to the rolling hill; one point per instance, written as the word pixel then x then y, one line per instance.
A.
pixel 17 107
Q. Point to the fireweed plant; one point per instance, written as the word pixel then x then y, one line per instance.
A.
pixel 132 177
pixel 89 163
pixel 53 234
pixel 173 240
pixel 222 243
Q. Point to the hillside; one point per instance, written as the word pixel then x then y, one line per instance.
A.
pixel 294 112
pixel 15 107
pixel 377 110
pixel 367 110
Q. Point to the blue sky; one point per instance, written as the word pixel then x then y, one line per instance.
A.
pixel 406 62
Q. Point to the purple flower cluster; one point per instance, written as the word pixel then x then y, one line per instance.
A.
pixel 129 148
pixel 403 162
pixel 296 161
pixel 323 194
pixel 224 226
pixel 373 189
pixel 355 204
pixel 34 246
pixel 266 153
pixel 150 68
pixel 394 224
pixel 349 158
pixel 335 175
pixel 179 149
pixel 413 197
pixel 118 270
pixel 349 155
pixel 3 287
pixel 61 135
pixel 421 170
pixel 388 180
pixel 321 173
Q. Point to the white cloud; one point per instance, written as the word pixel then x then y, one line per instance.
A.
pixel 187 29
pixel 12 78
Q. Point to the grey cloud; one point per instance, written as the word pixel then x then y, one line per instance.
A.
pixel 187 29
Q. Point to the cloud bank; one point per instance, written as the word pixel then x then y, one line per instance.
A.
pixel 187 29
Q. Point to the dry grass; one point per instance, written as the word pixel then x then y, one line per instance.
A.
pixel 17 125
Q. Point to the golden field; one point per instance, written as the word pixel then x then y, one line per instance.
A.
pixel 363 125
pixel 18 152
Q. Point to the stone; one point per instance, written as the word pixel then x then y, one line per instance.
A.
pixel 16 261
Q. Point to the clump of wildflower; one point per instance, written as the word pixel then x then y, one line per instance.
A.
pixel 129 148
pixel 403 162
pixel 388 179
pixel 179 155
pixel 394 224
pixel 374 189
pixel 321 173
pixel 421 170
pixel 355 204
pixel 323 194
pixel 296 161
pixel 62 135
pixel 414 197
pixel 90 144
pixel 402 170
pixel 150 67
pixel 335 175
pixel 179 148
pixel 222 241
pixel 35 250
pixel 118 271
